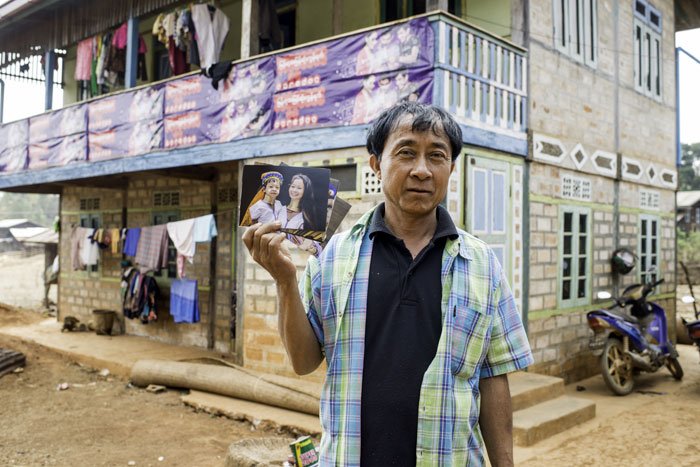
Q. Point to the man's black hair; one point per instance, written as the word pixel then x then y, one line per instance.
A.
pixel 425 117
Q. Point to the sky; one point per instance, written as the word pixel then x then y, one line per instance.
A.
pixel 26 99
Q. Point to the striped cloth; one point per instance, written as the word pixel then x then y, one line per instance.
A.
pixel 152 252
pixel 482 336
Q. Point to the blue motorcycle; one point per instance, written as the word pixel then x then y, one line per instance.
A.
pixel 628 343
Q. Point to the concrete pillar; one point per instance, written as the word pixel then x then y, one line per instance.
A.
pixel 49 64
pixel 250 43
pixel 132 52
pixel 431 5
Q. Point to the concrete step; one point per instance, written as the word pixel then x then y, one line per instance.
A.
pixel 528 389
pixel 549 418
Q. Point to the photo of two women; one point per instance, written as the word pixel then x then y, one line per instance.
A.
pixel 297 197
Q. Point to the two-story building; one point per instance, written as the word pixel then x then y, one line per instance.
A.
pixel 567 109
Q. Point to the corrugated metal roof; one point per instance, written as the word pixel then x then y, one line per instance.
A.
pixel 35 235
pixel 7 223
pixel 686 199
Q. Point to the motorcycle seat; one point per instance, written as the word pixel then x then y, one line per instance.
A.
pixel 692 324
pixel 625 316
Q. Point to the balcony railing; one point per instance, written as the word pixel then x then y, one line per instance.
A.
pixel 340 82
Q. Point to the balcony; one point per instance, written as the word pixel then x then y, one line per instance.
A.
pixel 311 97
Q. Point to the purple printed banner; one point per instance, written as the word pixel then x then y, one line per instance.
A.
pixel 58 138
pixel 126 124
pixel 347 81
pixel 352 80
pixel 13 151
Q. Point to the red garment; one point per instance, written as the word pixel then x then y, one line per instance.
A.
pixel 177 58
pixel 119 39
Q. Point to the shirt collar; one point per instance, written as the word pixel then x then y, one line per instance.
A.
pixel 444 228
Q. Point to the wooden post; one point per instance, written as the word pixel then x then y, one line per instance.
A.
pixel 250 42
pixel 132 52
pixel 49 64
pixel 213 253
pixel 337 17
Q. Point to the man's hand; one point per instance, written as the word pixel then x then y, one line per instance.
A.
pixel 264 241
pixel 265 244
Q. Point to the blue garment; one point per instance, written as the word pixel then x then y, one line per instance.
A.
pixel 132 241
pixel 184 301
pixel 204 228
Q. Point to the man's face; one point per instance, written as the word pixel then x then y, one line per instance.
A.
pixel 401 80
pixel 414 169
pixel 402 34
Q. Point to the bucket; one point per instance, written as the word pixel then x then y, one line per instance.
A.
pixel 104 319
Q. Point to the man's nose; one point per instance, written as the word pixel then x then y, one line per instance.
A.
pixel 420 168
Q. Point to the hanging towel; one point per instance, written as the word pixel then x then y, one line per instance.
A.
pixel 131 241
pixel 114 234
pixel 83 60
pixel 204 228
pixel 76 239
pixel 152 252
pixel 182 235
pixel 211 33
pixel 89 251
pixel 184 301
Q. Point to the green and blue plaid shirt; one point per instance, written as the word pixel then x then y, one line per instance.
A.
pixel 482 336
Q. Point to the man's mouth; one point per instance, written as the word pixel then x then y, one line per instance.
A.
pixel 419 190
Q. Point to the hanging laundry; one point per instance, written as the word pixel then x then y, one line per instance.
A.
pixel 152 252
pixel 211 29
pixel 83 60
pixel 131 241
pixel 89 251
pixel 114 234
pixel 76 239
pixel 182 235
pixel 177 58
pixel 140 296
pixel 184 301
pixel 205 228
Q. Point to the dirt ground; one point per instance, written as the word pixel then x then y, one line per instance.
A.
pixel 101 421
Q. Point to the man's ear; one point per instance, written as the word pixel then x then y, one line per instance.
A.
pixel 374 163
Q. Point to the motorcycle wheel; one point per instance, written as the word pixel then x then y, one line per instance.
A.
pixel 617 372
pixel 674 366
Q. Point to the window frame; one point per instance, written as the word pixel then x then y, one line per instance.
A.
pixel 575 24
pixel 648 66
pixel 575 257
pixel 649 256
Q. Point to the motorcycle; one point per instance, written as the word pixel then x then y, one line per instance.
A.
pixel 693 327
pixel 628 343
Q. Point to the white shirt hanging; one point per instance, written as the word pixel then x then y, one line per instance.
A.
pixel 211 33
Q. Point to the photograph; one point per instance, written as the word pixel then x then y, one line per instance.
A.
pixel 295 196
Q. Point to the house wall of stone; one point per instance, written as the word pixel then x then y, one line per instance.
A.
pixel 83 291
pixel 575 133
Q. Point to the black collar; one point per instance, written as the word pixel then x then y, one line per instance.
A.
pixel 445 227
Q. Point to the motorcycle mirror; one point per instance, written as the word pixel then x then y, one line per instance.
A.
pixel 687 299
pixel 603 295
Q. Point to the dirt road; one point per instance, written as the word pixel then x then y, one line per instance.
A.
pixel 100 421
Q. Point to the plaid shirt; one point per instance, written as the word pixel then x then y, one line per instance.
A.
pixel 482 336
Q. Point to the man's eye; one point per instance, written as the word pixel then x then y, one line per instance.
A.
pixel 405 153
pixel 439 156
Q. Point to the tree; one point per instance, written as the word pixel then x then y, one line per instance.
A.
pixel 41 209
pixel 689 171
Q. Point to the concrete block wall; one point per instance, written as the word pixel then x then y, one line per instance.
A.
pixel 262 346
pixel 82 291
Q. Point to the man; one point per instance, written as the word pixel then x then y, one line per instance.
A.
pixel 414 316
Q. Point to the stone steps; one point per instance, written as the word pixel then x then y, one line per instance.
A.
pixel 541 410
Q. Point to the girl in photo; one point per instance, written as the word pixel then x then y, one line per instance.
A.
pixel 265 207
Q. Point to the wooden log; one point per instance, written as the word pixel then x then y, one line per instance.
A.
pixel 10 360
pixel 227 381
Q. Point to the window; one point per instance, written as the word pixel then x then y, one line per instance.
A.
pixel 648 248
pixel 697 215
pixel 576 29
pixel 647 49
pixel 391 10
pixel 164 218
pixel 91 221
pixel 575 267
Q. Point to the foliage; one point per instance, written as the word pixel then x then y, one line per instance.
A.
pixel 688 180
pixel 688 246
pixel 41 209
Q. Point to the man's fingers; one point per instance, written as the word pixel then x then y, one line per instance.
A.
pixel 260 232
pixel 248 235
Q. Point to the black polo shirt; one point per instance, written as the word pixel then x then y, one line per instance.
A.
pixel 402 331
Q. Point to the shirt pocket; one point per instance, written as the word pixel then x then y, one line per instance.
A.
pixel 471 330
